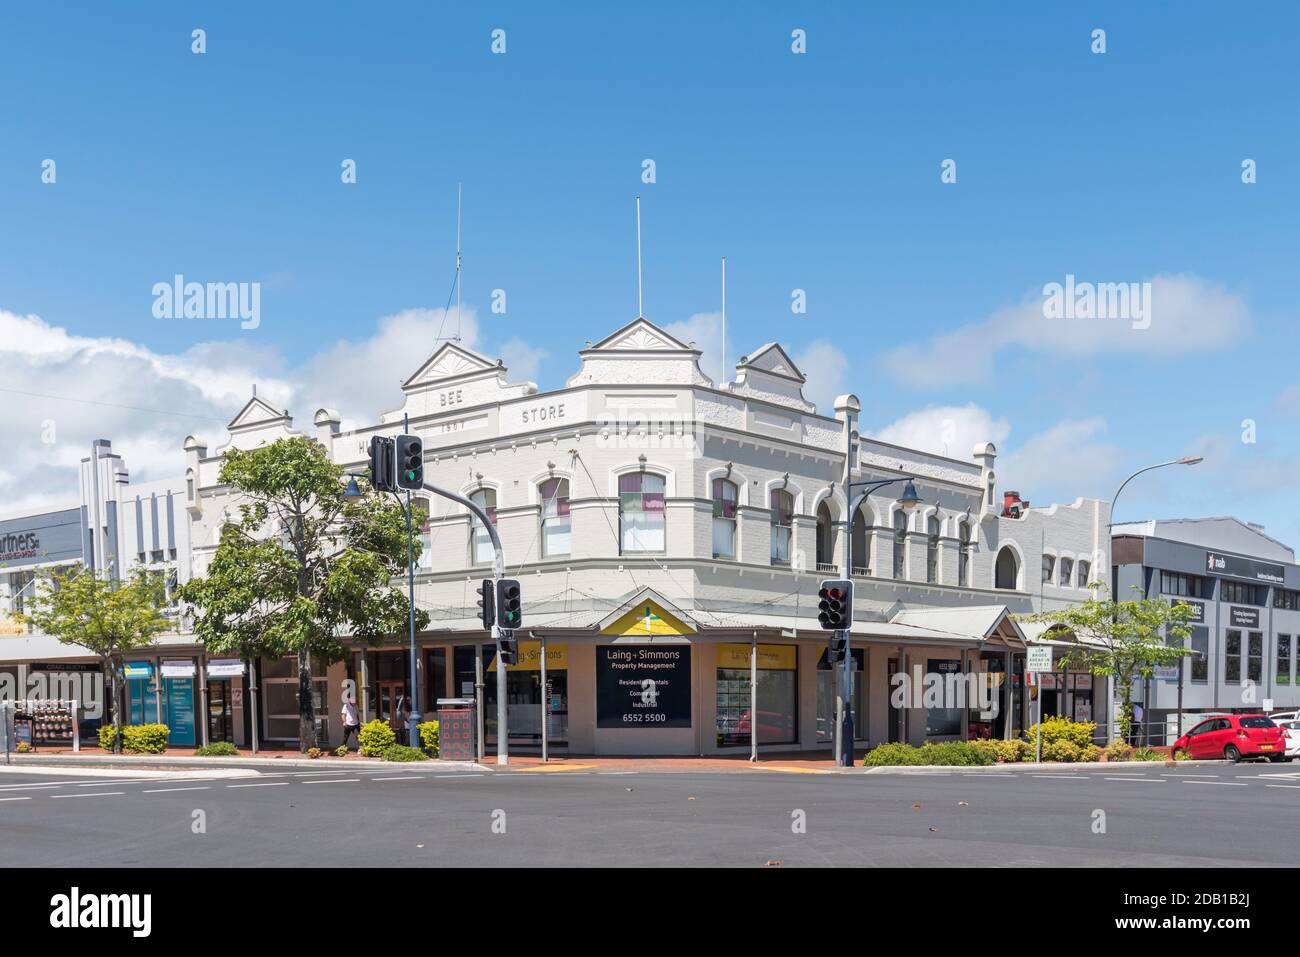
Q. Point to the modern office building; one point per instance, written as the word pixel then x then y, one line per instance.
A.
pixel 670 533
pixel 116 528
pixel 1245 587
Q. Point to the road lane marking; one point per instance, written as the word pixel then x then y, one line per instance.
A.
pixel 416 778
pixel 265 784
pixel 201 787
pixel 1294 786
pixel 15 799
pixel 1133 778
pixel 1222 784
pixel 97 794
pixel 1176 775
pixel 334 781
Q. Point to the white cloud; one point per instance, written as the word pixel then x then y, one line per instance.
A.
pixel 1059 464
pixel 1064 462
pixel 949 430
pixel 1187 314
pixel 826 368
pixel 146 402
pixel 705 330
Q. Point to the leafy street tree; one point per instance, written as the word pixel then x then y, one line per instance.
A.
pixel 1122 640
pixel 301 569
pixel 110 618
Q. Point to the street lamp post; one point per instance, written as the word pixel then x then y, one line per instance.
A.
pixel 1114 579
pixel 849 405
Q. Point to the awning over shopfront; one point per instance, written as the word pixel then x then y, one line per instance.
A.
pixel 989 623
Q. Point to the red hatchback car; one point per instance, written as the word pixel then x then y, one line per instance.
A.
pixel 1234 736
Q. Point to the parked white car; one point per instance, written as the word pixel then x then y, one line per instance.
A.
pixel 1292 731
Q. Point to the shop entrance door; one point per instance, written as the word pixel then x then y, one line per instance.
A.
pixel 895 713
pixel 220 712
pixel 391 704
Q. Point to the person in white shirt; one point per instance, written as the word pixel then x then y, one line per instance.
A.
pixel 351 720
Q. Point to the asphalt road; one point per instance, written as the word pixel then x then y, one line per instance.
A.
pixel 1152 816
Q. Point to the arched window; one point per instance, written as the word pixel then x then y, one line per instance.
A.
pixel 1049 568
pixel 420 516
pixel 641 512
pixel 1006 570
pixel 1067 572
pixel 863 521
pixel 932 549
pixel 900 545
pixel 481 551
pixel 556 537
pixel 963 555
pixel 724 518
pixel 1084 570
pixel 781 504
pixel 825 534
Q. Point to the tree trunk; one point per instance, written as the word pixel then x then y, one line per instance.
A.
pixel 115 710
pixel 1126 709
pixel 306 710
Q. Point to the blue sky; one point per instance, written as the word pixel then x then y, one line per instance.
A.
pixel 818 171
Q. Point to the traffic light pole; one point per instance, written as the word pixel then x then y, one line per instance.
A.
pixel 498 572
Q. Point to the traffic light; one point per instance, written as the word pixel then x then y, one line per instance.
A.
pixel 381 464
pixel 486 606
pixel 410 462
pixel 509 610
pixel 839 647
pixel 835 604
pixel 509 650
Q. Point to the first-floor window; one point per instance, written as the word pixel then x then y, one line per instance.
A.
pixel 482 551
pixel 1084 570
pixel 782 509
pixel 556 527
pixel 724 518
pixel 1284 659
pixel 1201 660
pixel 932 550
pixel 1255 656
pixel 641 512
pixel 900 543
pixel 963 556
pixel 1232 657
pixel 1067 572
pixel 775 713
pixel 1049 566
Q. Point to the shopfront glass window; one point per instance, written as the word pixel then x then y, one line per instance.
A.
pixel 777 715
pixel 482 551
pixel 556 525
pixel 641 512
pixel 826 697
pixel 1283 659
pixel 944 721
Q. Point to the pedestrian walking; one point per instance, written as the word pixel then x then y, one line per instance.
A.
pixel 351 720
